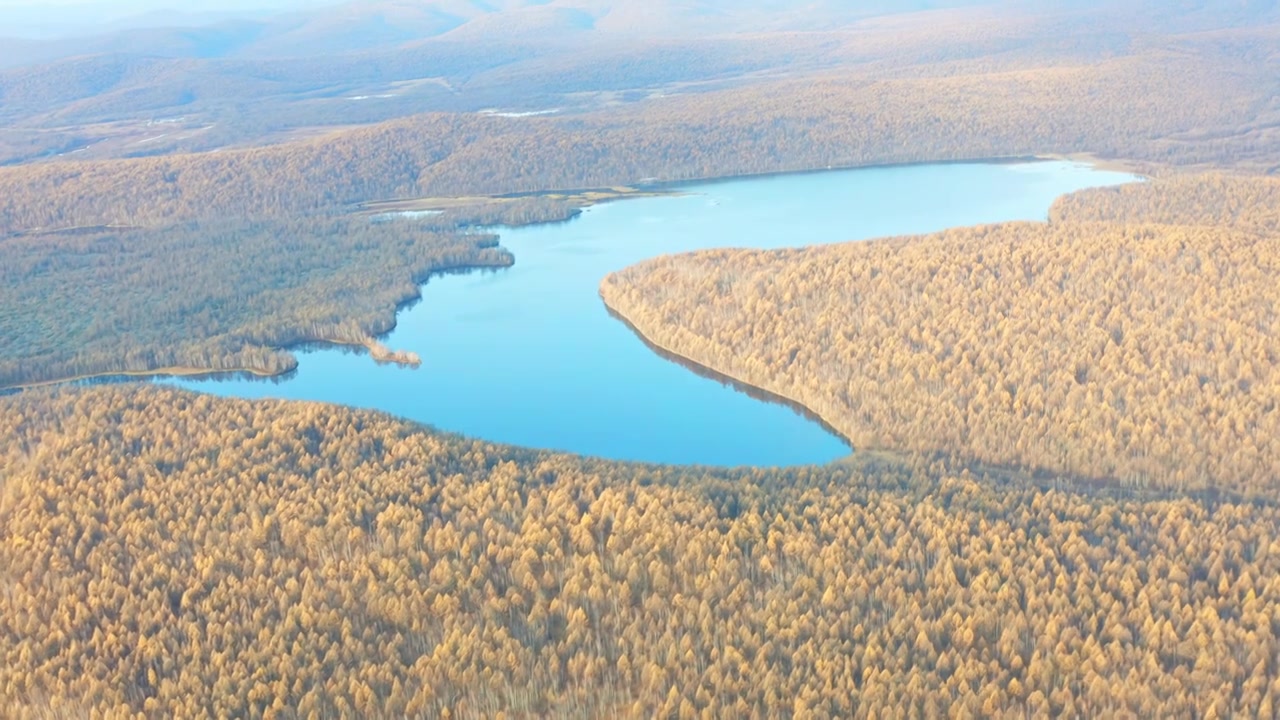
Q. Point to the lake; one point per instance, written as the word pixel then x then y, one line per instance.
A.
pixel 530 356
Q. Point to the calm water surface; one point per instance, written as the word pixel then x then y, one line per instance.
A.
pixel 529 355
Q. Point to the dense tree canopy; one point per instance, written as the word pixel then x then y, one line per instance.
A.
pixel 168 554
pixel 214 295
pixel 1124 350
pixel 1210 200
pixel 180 555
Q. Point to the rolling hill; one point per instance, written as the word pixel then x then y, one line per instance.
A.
pixel 253 81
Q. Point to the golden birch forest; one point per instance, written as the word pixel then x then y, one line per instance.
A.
pixel 1062 500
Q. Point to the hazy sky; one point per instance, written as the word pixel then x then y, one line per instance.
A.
pixel 44 18
pixel 133 7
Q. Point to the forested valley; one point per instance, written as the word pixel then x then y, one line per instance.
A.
pixel 217 295
pixel 179 555
pixel 970 87
pixel 1102 345
pixel 1075 514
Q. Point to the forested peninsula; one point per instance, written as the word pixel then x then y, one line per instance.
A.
pixel 1131 339
pixel 214 296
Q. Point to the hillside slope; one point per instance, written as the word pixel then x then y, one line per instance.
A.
pixel 1153 107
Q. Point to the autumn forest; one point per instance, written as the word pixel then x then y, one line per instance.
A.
pixel 1120 341
pixel 178 555
pixel 1062 499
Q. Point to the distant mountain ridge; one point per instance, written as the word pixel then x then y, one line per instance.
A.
pixel 367 25
pixel 370 24
pixel 266 79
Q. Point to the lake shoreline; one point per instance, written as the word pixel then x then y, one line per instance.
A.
pixel 578 199
pixel 214 374
pixel 1082 158
pixel 654 187
pixel 1103 164
pixel 567 377
pixel 386 324
pixel 140 375
pixel 724 378
pixel 1042 478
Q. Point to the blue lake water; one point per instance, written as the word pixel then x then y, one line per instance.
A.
pixel 530 356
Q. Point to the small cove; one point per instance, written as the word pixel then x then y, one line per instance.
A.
pixel 529 355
